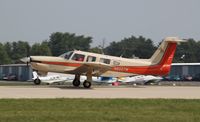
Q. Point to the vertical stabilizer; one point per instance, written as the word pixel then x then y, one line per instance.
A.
pixel 165 52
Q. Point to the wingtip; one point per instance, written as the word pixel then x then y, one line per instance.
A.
pixel 174 39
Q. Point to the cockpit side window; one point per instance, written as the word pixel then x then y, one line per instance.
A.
pixel 78 57
pixel 66 55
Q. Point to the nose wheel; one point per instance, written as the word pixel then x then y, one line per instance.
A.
pixel 37 81
pixel 87 84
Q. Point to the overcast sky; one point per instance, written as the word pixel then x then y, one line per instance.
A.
pixel 112 20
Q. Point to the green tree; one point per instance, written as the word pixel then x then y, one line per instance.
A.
pixel 96 50
pixel 130 47
pixel 62 42
pixel 8 48
pixel 19 50
pixel 4 58
pixel 198 51
pixel 41 49
pixel 189 50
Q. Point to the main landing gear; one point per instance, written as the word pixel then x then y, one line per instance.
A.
pixel 86 84
pixel 76 82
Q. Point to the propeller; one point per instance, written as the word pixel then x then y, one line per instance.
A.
pixel 27 59
pixel 28 55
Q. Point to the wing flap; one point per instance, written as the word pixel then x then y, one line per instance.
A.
pixel 97 68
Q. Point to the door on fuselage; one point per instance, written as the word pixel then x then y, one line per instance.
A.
pixel 91 59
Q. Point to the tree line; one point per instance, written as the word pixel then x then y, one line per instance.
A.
pixel 59 43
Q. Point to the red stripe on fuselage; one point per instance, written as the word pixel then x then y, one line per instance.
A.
pixel 162 68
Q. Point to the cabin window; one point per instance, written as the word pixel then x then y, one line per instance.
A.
pixel 91 59
pixel 78 57
pixel 104 60
pixel 116 63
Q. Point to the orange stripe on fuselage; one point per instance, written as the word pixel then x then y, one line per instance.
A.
pixel 162 68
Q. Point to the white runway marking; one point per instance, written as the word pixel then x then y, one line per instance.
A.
pixel 112 92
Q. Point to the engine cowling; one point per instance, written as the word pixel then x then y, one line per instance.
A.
pixel 42 73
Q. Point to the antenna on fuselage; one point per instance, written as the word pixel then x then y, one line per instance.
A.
pixel 124 50
pixel 102 46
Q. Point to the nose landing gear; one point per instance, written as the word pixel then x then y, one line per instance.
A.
pixel 37 81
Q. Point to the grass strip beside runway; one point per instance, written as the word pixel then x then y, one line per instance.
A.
pixel 95 110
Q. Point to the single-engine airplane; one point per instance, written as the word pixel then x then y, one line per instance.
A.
pixel 59 78
pixel 51 78
pixel 141 79
pixel 92 64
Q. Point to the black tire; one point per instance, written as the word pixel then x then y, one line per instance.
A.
pixel 87 84
pixel 37 81
pixel 76 83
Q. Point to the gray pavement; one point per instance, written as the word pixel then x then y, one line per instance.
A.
pixel 183 92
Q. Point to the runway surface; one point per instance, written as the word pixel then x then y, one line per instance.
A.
pixel 107 92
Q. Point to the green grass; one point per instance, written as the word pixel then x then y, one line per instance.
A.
pixel 99 110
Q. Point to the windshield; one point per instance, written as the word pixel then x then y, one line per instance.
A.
pixel 66 55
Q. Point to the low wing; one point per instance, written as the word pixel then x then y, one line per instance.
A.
pixel 96 68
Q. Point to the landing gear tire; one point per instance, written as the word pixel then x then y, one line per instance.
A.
pixel 87 84
pixel 37 81
pixel 76 83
